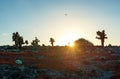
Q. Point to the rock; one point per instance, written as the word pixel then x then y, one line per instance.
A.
pixel 103 58
pixel 19 61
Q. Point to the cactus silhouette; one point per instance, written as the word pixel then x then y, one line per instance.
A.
pixel 35 42
pixel 52 41
pixel 101 36
pixel 18 40
pixel 26 42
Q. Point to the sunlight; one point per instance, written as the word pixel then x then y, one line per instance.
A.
pixel 68 39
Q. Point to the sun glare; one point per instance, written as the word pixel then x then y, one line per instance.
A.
pixel 68 39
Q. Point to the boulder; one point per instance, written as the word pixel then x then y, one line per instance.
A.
pixel 18 61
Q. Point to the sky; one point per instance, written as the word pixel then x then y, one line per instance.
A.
pixel 46 18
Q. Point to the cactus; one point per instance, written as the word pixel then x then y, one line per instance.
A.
pixel 101 36
pixel 26 42
pixel 18 40
pixel 52 41
pixel 35 42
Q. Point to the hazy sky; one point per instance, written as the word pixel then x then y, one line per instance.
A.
pixel 46 18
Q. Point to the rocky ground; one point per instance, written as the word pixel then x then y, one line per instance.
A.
pixel 61 63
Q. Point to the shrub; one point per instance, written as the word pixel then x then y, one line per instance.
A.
pixel 83 43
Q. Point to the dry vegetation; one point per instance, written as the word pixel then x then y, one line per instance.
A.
pixel 95 62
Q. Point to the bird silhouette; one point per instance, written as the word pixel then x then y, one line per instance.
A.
pixel 66 14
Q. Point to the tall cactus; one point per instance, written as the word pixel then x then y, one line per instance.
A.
pixel 52 41
pixel 101 36
pixel 17 39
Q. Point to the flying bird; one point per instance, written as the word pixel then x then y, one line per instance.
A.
pixel 66 14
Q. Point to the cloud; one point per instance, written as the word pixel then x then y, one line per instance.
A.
pixel 5 39
pixel 4 35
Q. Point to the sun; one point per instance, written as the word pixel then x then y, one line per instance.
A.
pixel 69 38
